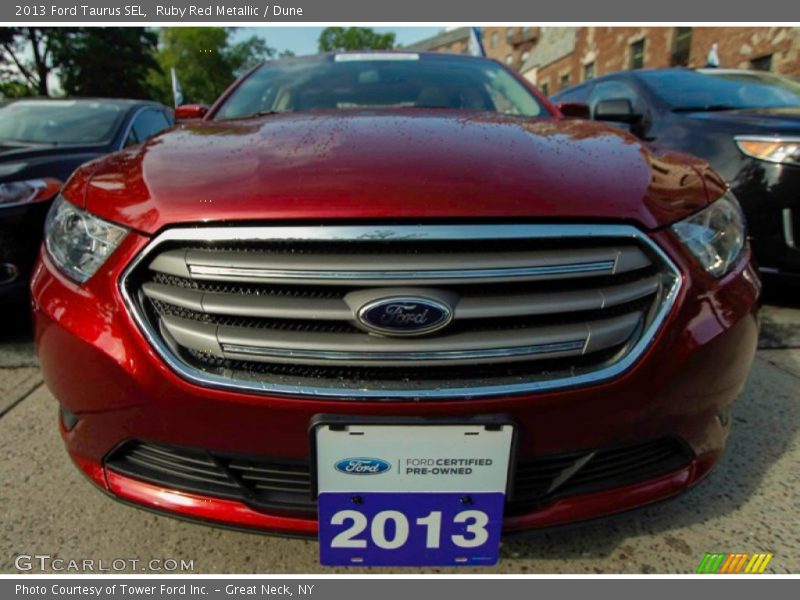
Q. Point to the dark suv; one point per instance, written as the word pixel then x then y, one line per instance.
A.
pixel 745 123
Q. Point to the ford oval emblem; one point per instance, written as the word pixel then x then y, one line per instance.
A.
pixel 362 466
pixel 404 315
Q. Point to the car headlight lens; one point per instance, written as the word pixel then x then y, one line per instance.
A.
pixel 19 192
pixel 77 241
pixel 785 151
pixel 715 235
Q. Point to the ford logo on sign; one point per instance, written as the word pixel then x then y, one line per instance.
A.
pixel 362 466
pixel 404 316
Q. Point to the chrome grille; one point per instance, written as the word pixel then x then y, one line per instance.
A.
pixel 274 309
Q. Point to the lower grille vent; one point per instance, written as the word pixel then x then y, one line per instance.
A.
pixel 284 484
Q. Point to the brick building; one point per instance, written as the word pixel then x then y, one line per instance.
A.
pixel 511 45
pixel 565 56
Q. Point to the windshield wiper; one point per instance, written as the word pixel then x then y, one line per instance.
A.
pixel 265 113
pixel 705 108
pixel 260 113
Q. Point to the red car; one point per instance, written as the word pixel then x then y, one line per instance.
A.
pixel 397 301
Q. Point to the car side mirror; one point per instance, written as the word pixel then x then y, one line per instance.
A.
pixel 190 111
pixel 618 110
pixel 577 110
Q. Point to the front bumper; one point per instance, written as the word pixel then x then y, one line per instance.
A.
pixel 681 387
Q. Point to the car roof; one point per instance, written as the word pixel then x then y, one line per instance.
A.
pixel 629 73
pixel 705 70
pixel 427 55
pixel 121 102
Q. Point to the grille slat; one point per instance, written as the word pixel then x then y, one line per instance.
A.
pixel 165 454
pixel 258 469
pixel 215 479
pixel 277 309
pixel 396 268
pixel 182 465
pixel 281 480
pixel 299 347
pixel 475 307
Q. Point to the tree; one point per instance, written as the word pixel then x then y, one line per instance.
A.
pixel 26 56
pixel 15 89
pixel 112 62
pixel 205 60
pixel 339 39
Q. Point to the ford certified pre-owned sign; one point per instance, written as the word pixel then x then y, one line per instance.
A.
pixel 362 466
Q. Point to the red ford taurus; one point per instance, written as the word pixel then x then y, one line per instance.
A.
pixel 397 301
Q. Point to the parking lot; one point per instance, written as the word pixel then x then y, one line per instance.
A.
pixel 749 504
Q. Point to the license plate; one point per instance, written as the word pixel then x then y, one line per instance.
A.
pixel 411 495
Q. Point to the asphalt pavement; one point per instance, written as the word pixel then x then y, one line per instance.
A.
pixel 749 503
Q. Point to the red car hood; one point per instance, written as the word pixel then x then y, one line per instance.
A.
pixel 421 164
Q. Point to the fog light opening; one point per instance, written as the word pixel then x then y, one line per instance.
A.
pixel 9 273
pixel 68 420
pixel 725 417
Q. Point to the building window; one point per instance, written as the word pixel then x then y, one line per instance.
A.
pixel 494 39
pixel 525 56
pixel 637 54
pixel 588 71
pixel 509 59
pixel 509 35
pixel 763 63
pixel 546 88
pixel 564 81
pixel 681 46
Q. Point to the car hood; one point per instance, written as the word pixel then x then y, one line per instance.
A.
pixel 379 165
pixel 773 121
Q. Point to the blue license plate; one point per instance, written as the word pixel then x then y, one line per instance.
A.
pixel 410 528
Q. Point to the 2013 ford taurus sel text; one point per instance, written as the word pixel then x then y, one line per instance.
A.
pixel 399 302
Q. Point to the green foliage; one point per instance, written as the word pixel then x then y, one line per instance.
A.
pixel 126 61
pixel 15 89
pixel 339 39
pixel 111 62
pixel 205 60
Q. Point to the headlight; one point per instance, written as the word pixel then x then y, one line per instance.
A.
pixel 19 192
pixel 77 241
pixel 715 235
pixel 783 150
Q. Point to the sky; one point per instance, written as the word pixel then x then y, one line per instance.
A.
pixel 303 40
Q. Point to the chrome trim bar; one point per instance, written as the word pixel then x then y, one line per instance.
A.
pixel 378 276
pixel 441 355
pixel 402 232
pixel 378 233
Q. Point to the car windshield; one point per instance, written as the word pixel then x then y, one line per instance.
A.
pixel 59 122
pixel 685 90
pixel 379 81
